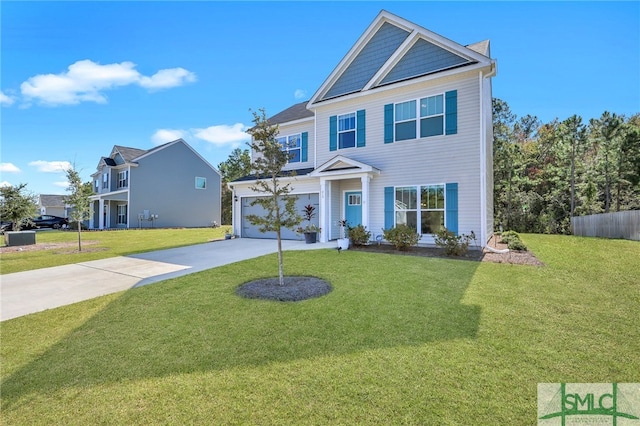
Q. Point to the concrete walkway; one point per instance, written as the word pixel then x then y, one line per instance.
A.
pixel 27 292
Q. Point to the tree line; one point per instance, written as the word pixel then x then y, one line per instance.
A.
pixel 545 173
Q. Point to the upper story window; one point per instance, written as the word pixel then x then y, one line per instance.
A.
pixel 123 179
pixel 105 181
pixel 292 144
pixel 430 116
pixel 347 130
pixel 201 183
pixel 96 186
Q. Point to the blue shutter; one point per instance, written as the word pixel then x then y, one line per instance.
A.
pixel 333 133
pixel 305 147
pixel 451 112
pixel 389 202
pixel 388 123
pixel 451 213
pixel 360 126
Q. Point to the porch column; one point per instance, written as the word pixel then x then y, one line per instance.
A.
pixel 324 216
pixel 365 201
pixel 93 209
pixel 101 215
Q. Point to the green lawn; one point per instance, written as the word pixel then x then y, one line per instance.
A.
pixel 399 340
pixel 103 244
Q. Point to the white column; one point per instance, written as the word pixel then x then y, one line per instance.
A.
pixel 365 201
pixel 323 219
pixel 101 215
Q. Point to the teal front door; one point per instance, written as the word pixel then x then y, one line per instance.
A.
pixel 353 208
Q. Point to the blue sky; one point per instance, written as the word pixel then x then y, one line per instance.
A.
pixel 79 77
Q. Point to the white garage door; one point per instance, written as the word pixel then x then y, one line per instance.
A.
pixel 251 231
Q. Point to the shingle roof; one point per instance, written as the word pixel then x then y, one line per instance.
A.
pixel 284 173
pixel 129 154
pixel 51 200
pixel 295 112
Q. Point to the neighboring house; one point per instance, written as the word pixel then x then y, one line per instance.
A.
pixel 399 133
pixel 168 186
pixel 53 205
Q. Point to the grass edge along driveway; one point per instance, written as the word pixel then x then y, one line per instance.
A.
pixel 399 340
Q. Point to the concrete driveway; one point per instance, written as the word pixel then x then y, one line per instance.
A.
pixel 27 292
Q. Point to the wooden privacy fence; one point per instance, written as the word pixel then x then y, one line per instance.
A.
pixel 608 225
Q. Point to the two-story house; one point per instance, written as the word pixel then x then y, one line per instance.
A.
pixel 170 185
pixel 399 133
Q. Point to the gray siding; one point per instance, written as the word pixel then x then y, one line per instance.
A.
pixel 164 184
pixel 423 58
pixel 381 46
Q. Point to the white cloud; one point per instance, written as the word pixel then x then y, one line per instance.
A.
pixel 4 183
pixel 171 77
pixel 64 184
pixel 223 134
pixel 6 100
pixel 51 166
pixel 85 81
pixel 9 168
pixel 167 135
pixel 300 94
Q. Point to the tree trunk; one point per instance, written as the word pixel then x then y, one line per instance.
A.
pixel 79 241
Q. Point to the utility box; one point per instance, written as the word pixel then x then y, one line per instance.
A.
pixel 20 238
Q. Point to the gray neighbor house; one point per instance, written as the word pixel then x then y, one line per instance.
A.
pixel 170 185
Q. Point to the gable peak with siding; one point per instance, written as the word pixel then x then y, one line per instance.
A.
pixel 392 50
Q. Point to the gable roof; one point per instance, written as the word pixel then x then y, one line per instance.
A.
pixel 49 200
pixel 128 154
pixel 392 50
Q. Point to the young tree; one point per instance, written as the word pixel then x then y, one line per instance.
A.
pixel 236 166
pixel 17 205
pixel 269 161
pixel 78 199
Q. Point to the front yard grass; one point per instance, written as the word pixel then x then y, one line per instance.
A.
pixel 102 244
pixel 399 340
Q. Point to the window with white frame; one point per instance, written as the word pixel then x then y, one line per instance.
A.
pixel 105 181
pixel 292 144
pixel 423 205
pixel 405 120
pixel 96 185
pixel 432 116
pixel 430 111
pixel 347 130
pixel 354 200
pixel 201 183
pixel 122 214
pixel 123 179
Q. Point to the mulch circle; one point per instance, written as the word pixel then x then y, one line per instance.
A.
pixel 294 289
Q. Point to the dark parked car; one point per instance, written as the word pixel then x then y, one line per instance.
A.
pixel 48 221
pixel 44 221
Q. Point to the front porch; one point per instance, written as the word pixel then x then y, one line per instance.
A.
pixel 110 211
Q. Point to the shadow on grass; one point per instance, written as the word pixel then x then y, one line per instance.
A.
pixel 197 323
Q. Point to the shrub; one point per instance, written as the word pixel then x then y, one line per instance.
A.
pixel 358 235
pixel 512 240
pixel 453 244
pixel 402 237
pixel 517 245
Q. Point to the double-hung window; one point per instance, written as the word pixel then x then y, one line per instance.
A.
pixel 123 179
pixel 347 130
pixel 122 214
pixel 405 120
pixel 431 208
pixel 431 116
pixel 420 207
pixel 292 144
pixel 105 181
